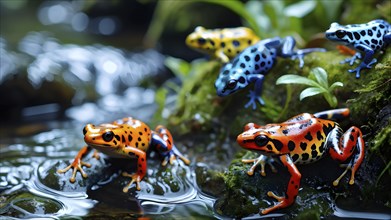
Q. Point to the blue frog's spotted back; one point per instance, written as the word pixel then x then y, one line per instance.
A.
pixel 253 63
pixel 368 38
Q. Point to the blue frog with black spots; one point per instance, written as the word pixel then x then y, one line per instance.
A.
pixel 368 38
pixel 251 65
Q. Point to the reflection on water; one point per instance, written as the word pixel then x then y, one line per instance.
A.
pixel 360 215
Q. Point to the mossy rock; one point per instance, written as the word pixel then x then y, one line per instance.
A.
pixel 368 99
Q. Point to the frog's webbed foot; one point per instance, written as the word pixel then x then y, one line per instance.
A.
pixel 299 54
pixel 352 59
pixel 254 98
pixel 76 166
pixel 167 159
pixel 136 178
pixel 261 160
pixel 282 203
pixel 362 66
pixel 348 167
pixel 172 155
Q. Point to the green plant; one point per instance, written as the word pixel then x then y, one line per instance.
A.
pixel 318 82
pixel 266 18
pixel 168 11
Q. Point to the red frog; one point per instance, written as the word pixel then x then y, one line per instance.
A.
pixel 303 139
pixel 126 138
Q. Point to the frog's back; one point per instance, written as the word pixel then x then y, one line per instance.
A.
pixel 256 59
pixel 370 34
pixel 307 139
pixel 230 41
pixel 235 40
pixel 134 133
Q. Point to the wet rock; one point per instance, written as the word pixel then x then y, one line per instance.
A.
pixel 26 205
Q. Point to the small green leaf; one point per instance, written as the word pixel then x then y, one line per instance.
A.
pixel 178 66
pixel 332 87
pixel 295 79
pixel 321 76
pixel 311 92
pixel 300 9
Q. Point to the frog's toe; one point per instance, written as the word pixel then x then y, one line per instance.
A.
pixel 252 104
pixel 350 61
pixel 357 71
pixel 301 60
pixel 135 178
pixel 165 161
pixel 282 203
pixel 169 158
pixel 76 167
pixel 254 98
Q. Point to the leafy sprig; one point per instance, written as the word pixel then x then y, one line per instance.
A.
pixel 318 85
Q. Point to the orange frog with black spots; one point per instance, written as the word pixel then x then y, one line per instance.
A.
pixel 303 139
pixel 126 138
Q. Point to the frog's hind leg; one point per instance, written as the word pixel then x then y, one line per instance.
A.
pixel 343 146
pixel 164 143
pixel 387 38
pixel 299 118
pixel 292 189
pixel 287 50
pixel 334 114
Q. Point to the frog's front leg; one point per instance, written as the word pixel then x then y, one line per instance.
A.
pixel 261 160
pixel 220 55
pixel 292 189
pixel 367 61
pixel 77 164
pixel 164 143
pixel 341 148
pixel 287 50
pixel 352 59
pixel 141 167
pixel 256 93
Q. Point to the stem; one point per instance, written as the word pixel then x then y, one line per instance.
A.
pixel 384 171
pixel 329 98
pixel 239 8
pixel 287 101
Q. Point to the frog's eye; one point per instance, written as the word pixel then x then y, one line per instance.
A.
pixel 108 136
pixel 261 140
pixel 84 131
pixel 231 84
pixel 340 33
pixel 201 41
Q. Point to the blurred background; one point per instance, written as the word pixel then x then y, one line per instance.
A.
pixel 58 54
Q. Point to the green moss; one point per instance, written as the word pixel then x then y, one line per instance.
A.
pixel 210 181
pixel 197 102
